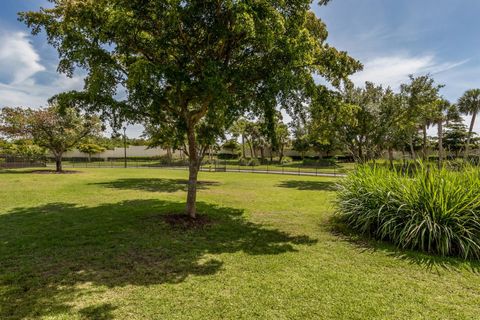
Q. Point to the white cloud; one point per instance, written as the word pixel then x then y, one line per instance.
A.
pixel 31 94
pixel 18 59
pixel 393 70
pixel 19 65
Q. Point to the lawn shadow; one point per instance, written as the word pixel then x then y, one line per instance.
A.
pixel 98 312
pixel 155 184
pixel 48 252
pixel 309 185
pixel 22 170
pixel 424 260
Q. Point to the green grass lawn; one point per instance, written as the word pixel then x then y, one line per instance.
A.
pixel 94 245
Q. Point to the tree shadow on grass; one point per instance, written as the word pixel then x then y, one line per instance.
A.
pixel 424 260
pixel 308 185
pixel 23 170
pixel 48 252
pixel 98 312
pixel 154 185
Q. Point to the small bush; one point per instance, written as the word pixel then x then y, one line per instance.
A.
pixel 253 162
pixel 243 162
pixel 325 162
pixel 248 162
pixel 433 210
pixel 286 160
pixel 227 156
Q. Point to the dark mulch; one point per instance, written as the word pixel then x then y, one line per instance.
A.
pixel 182 221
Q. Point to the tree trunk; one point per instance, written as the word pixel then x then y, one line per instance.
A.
pixel 424 147
pixel 193 167
pixel 169 154
pixel 412 149
pixel 360 153
pixel 243 146
pixel 250 145
pixel 58 163
pixel 440 143
pixel 390 156
pixel 281 154
pixel 470 131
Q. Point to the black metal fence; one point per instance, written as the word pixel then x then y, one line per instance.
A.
pixel 313 169
pixel 8 161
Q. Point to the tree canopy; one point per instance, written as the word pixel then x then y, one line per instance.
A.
pixel 55 128
pixel 191 66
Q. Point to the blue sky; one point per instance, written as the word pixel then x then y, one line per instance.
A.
pixel 391 38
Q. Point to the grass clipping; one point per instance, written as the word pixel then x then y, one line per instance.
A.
pixel 431 210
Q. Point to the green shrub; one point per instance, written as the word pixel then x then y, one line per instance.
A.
pixel 227 156
pixel 253 162
pixel 432 210
pixel 325 162
pixel 243 162
pixel 286 160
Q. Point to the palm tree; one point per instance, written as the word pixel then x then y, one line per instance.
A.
pixel 469 104
pixel 239 129
pixel 445 112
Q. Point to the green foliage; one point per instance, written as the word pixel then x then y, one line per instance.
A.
pixel 23 148
pixel 90 148
pixel 469 104
pixel 433 210
pixel 226 156
pixel 301 143
pixel 250 162
pixel 455 137
pixel 191 68
pixel 231 145
pixel 286 160
pixel 253 162
pixel 56 128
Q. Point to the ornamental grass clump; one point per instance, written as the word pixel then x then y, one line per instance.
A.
pixel 431 210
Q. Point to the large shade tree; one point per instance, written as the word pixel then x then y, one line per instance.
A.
pixel 197 64
pixel 469 104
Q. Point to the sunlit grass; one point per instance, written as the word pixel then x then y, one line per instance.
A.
pixel 94 245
